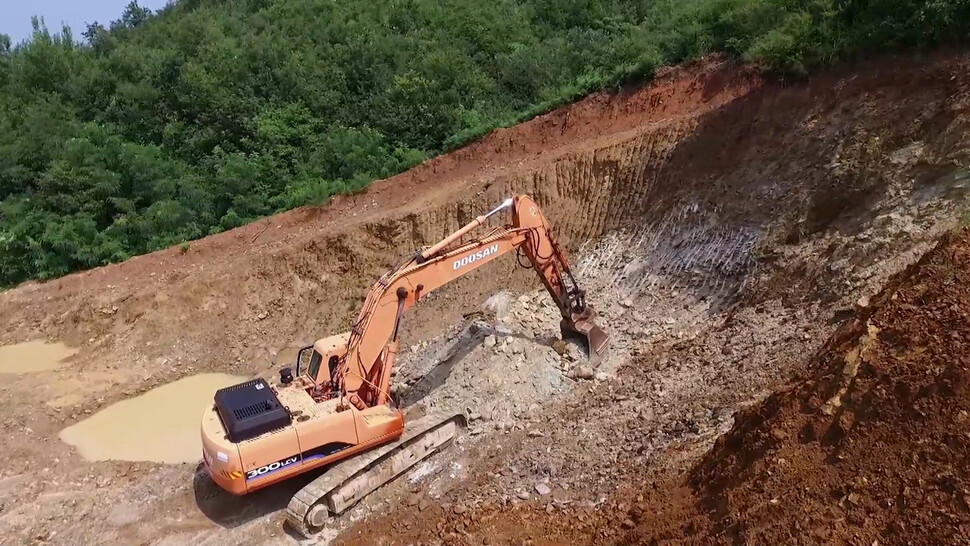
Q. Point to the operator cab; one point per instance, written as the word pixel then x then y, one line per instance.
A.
pixel 318 362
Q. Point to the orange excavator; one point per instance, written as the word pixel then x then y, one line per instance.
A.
pixel 336 411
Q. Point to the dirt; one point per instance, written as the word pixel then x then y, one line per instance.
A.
pixel 870 446
pixel 723 225
pixel 866 448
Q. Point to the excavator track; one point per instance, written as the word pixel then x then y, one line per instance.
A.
pixel 347 482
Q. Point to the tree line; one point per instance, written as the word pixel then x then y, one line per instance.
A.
pixel 163 127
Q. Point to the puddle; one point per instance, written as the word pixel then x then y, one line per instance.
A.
pixel 161 425
pixel 33 356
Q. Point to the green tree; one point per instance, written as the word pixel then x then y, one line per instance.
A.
pixel 159 128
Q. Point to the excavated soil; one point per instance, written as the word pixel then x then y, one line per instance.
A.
pixel 724 226
pixel 869 447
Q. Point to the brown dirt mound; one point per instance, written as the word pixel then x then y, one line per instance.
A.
pixel 870 450
pixel 869 447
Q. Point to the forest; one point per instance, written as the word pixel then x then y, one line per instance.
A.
pixel 163 127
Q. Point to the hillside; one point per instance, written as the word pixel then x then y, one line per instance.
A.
pixel 162 128
pixel 724 224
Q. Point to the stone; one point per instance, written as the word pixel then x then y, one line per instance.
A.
pixel 581 372
pixel 601 376
pixel 573 352
pixel 559 346
pixel 490 341
pixel 497 303
pixel 862 302
pixel 524 495
pixel 542 489
pixel 503 426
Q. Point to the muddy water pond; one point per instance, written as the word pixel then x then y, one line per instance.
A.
pixel 33 356
pixel 161 425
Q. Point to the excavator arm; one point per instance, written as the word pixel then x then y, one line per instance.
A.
pixel 363 374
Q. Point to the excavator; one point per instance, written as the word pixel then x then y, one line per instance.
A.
pixel 337 412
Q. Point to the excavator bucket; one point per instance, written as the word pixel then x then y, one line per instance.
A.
pixel 583 327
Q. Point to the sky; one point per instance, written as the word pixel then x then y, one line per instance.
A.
pixel 15 14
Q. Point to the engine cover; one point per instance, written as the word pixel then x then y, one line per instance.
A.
pixel 250 409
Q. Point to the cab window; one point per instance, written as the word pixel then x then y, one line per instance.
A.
pixel 315 362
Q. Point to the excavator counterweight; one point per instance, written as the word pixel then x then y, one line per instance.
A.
pixel 333 408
